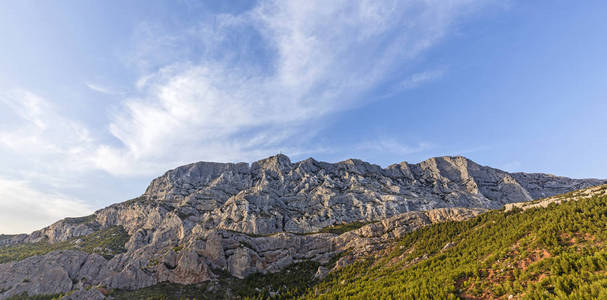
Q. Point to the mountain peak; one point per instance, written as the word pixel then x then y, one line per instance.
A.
pixel 275 162
pixel 261 217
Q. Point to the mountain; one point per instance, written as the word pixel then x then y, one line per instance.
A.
pixel 555 248
pixel 222 222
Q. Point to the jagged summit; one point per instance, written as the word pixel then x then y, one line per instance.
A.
pixel 283 161
pixel 260 217
pixel 440 181
pixel 277 159
pixel 275 195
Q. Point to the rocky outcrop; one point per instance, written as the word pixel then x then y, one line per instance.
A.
pixel 261 217
pixel 12 239
pixel 80 274
pixel 54 273
pixel 582 194
pixel 545 185
pixel 64 230
pixel 274 195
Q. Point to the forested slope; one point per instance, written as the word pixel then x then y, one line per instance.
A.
pixel 555 252
pixel 558 251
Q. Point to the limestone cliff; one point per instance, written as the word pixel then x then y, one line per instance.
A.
pixel 245 218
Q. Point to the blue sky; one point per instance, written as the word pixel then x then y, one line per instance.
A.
pixel 99 97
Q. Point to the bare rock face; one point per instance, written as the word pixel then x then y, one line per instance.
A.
pixel 53 273
pixel 545 185
pixel 262 217
pixel 12 239
pixel 65 229
pixel 187 268
pixel 321 273
pixel 275 195
pixel 587 193
pixel 377 236
pixel 65 271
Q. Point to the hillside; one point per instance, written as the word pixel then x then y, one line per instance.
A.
pixel 559 251
pixel 221 224
pixel 555 251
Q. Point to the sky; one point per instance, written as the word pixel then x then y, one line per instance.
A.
pixel 97 98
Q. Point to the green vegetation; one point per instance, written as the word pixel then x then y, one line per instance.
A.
pixel 80 220
pixel 289 283
pixel 107 242
pixel 556 252
pixel 24 296
pixel 178 248
pixel 165 291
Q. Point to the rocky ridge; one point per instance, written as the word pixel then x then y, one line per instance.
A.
pixel 246 218
pixel 596 191
pixel 202 253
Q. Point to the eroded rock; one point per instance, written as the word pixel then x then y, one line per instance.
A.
pixel 265 216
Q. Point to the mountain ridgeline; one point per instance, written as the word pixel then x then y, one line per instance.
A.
pixel 206 223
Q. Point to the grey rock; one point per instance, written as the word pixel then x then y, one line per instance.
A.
pixel 243 262
pixel 189 269
pixel 12 239
pixel 448 246
pixel 65 229
pixel 129 278
pixel 170 259
pixel 53 273
pixel 261 217
pixel 597 191
pixel 321 273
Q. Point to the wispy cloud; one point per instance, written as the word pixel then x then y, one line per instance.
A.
pixel 231 88
pixel 418 79
pixel 42 136
pixel 102 89
pixel 320 58
pixel 26 106
pixel 264 82
pixel 23 207
pixel 43 154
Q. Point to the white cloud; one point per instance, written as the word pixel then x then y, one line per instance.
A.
pixel 26 106
pixel 42 153
pixel 417 79
pixel 102 89
pixel 24 209
pixel 43 137
pixel 322 58
pixel 233 88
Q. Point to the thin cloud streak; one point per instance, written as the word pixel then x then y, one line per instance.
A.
pixel 102 89
pixel 418 79
pixel 240 87
pixel 224 108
